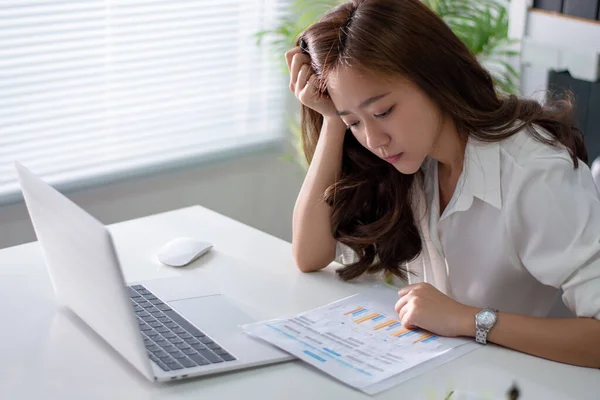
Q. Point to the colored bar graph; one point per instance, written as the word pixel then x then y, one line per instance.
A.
pixel 430 339
pixel 313 355
pixel 332 352
pixel 402 332
pixel 423 337
pixel 353 311
pixel 364 310
pixel 393 326
pixel 379 317
pixel 366 318
pixel 383 325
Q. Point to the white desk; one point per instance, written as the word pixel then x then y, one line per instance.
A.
pixel 45 353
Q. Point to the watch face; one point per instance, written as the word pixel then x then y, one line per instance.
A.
pixel 486 318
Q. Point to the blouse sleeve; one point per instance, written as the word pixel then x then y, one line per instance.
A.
pixel 554 224
pixel 344 254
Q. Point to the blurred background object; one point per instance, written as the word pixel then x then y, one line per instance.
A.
pixel 560 51
pixel 134 108
pixel 137 107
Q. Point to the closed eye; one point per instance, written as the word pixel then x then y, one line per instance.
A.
pixel 382 115
pixel 385 114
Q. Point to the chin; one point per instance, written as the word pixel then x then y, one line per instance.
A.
pixel 408 168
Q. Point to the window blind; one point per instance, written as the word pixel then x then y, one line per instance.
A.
pixel 97 89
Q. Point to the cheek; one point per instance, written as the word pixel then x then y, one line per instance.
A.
pixel 416 124
pixel 403 125
pixel 360 138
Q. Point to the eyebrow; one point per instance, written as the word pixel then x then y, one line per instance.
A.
pixel 365 103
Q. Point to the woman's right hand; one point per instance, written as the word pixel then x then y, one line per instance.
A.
pixel 303 83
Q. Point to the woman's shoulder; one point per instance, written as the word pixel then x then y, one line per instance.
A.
pixel 528 165
pixel 525 151
pixel 532 168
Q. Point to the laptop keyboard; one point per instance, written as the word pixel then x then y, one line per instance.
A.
pixel 171 341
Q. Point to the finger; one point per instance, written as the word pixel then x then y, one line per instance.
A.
pixel 402 310
pixel 402 316
pixel 303 76
pixel 409 325
pixel 289 55
pixel 406 289
pixel 403 292
pixel 313 82
pixel 405 318
pixel 297 62
pixel 401 303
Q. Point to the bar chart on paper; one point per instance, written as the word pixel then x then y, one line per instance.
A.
pixel 353 340
pixel 388 329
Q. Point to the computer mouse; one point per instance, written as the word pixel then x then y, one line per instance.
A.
pixel 181 251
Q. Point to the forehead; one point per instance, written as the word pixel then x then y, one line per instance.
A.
pixel 345 80
pixel 348 86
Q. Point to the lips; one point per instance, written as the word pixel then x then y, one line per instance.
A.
pixel 393 159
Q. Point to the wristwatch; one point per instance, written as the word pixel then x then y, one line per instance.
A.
pixel 484 321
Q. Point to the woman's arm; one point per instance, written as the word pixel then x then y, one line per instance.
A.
pixel 573 340
pixel 554 226
pixel 313 244
pixel 568 340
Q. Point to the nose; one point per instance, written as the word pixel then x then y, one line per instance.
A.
pixel 375 137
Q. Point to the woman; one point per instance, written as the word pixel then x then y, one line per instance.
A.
pixel 419 169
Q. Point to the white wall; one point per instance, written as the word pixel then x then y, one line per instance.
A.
pixel 259 190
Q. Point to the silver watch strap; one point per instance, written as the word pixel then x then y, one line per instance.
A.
pixel 481 336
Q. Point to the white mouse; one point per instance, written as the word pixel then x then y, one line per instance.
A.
pixel 182 251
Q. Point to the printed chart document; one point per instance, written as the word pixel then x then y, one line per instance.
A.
pixel 355 341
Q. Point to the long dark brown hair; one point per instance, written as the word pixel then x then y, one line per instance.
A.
pixel 371 201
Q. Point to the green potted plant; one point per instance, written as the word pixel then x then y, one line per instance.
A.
pixel 481 25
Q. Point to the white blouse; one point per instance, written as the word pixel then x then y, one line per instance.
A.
pixel 522 228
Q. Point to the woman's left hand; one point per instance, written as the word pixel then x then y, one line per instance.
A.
pixel 423 306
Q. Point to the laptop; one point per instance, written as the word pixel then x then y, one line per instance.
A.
pixel 165 336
